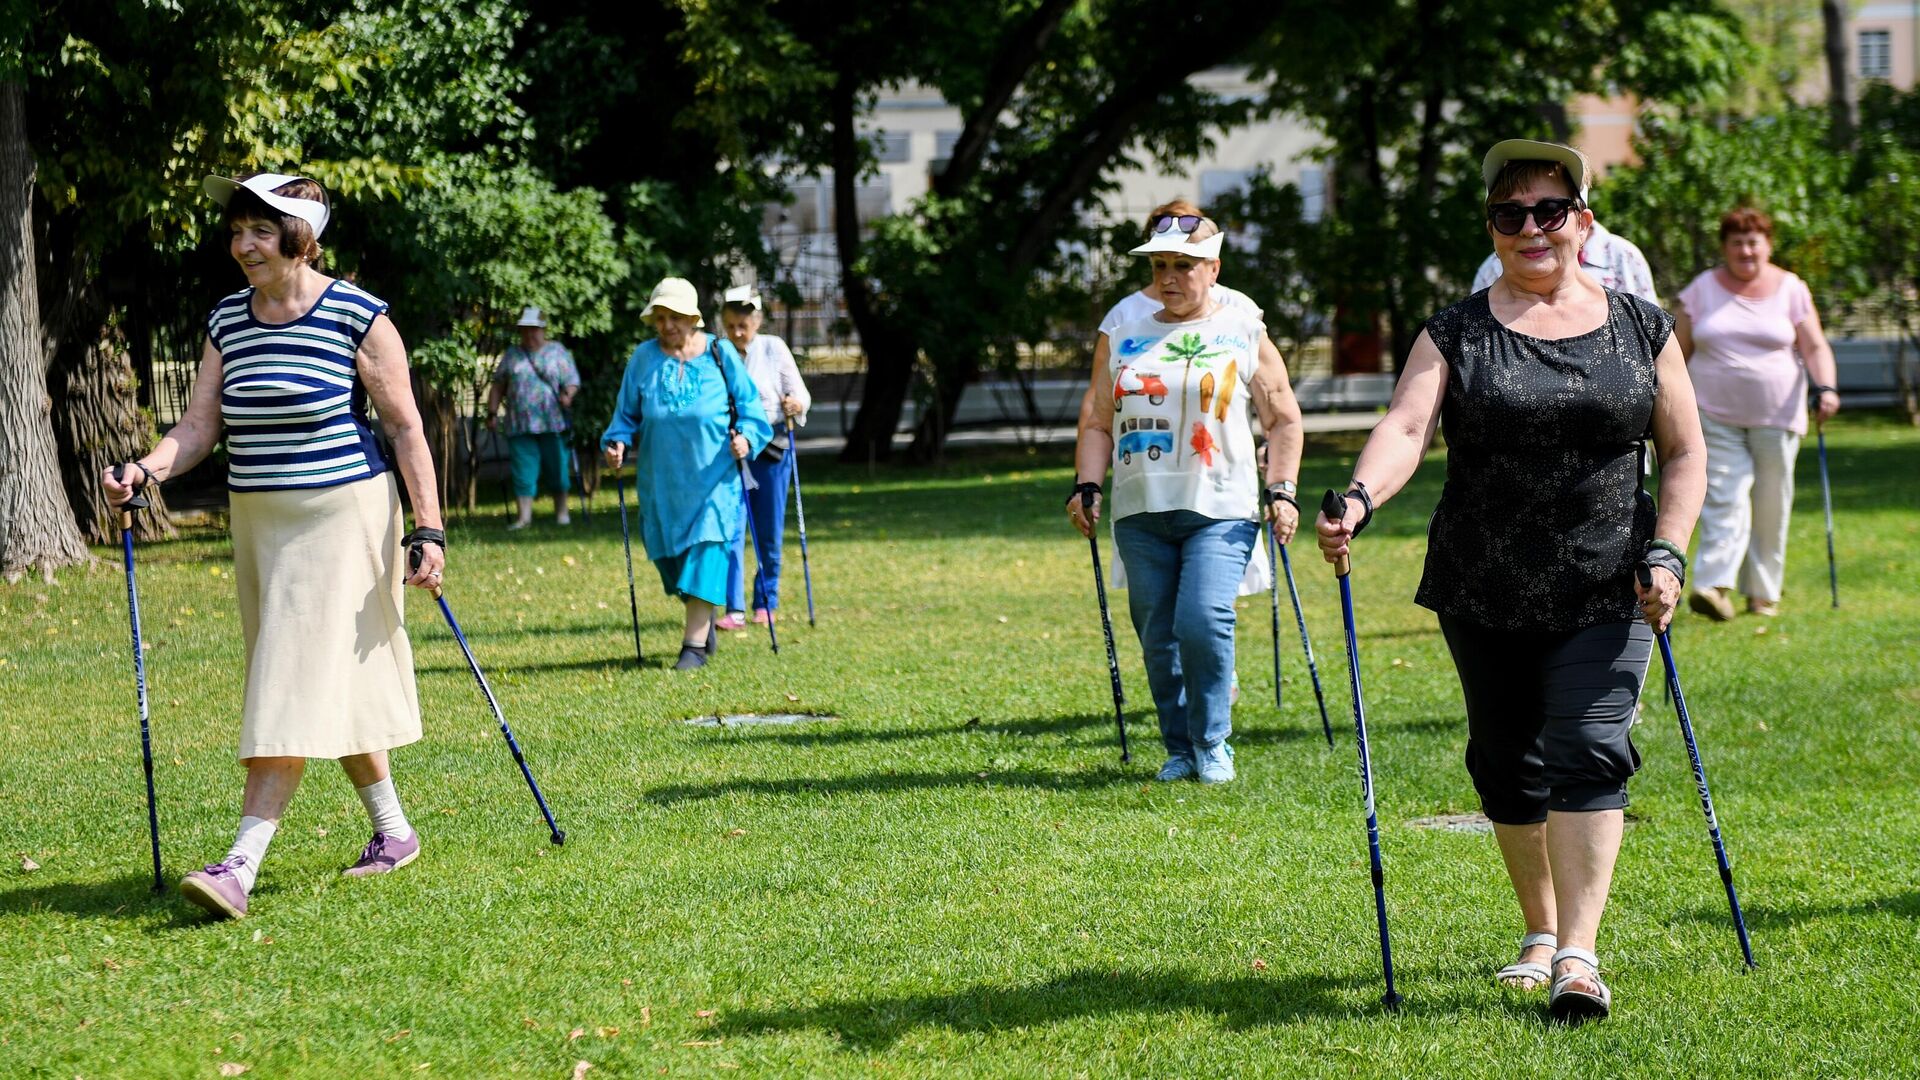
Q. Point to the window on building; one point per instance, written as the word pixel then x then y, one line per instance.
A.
pixel 1217 182
pixel 1876 54
pixel 1313 192
pixel 892 147
pixel 944 142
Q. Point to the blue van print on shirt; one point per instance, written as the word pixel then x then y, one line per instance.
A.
pixel 1149 435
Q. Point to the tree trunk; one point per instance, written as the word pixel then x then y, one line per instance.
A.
pixel 1834 14
pixel 37 529
pixel 953 374
pixel 99 424
pixel 892 350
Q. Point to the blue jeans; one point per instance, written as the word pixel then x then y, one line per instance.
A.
pixel 1183 571
pixel 769 506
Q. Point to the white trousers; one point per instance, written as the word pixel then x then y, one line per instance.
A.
pixel 1743 526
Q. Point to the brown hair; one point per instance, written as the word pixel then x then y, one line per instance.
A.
pixel 296 236
pixel 1180 207
pixel 1177 207
pixel 1515 175
pixel 1745 219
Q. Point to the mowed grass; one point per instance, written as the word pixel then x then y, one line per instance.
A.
pixel 955 876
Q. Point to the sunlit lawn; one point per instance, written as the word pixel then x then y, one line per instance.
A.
pixel 953 874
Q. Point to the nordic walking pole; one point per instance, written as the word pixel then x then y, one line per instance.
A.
pixel 1645 574
pixel 1273 564
pixel 554 833
pixel 138 502
pixel 1106 620
pixel 1826 498
pixel 626 541
pixel 1334 505
pixel 747 484
pixel 1306 645
pixel 800 509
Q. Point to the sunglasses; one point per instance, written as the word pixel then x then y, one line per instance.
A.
pixel 1185 223
pixel 1508 218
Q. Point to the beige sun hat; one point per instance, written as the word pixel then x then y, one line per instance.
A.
pixel 676 295
pixel 1507 150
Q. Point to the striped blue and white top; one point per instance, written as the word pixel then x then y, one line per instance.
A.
pixel 295 412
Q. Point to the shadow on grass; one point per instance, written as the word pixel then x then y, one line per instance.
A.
pixel 654 662
pixel 1113 775
pixel 1142 730
pixel 130 897
pixel 1904 905
pixel 1249 1002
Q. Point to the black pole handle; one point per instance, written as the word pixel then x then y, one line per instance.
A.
pixel 137 501
pixel 1645 574
pixel 1334 505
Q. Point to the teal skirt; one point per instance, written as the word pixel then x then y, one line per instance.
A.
pixel 698 573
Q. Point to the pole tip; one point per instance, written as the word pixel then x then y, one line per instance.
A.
pixel 1391 1000
pixel 559 837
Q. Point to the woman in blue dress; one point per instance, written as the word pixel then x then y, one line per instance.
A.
pixel 691 414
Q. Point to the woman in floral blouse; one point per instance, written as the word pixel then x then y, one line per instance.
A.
pixel 538 380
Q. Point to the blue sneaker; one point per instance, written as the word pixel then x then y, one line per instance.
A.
pixel 1178 767
pixel 1215 763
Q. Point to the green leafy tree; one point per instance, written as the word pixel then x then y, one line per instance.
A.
pixel 128 103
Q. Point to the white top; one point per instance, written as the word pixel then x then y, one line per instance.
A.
pixel 1616 262
pixel 1138 305
pixel 770 363
pixel 1182 439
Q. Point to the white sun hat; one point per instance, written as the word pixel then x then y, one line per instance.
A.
pixel 1173 239
pixel 531 316
pixel 745 295
pixel 221 189
pixel 676 295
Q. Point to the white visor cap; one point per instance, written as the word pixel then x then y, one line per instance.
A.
pixel 1178 242
pixel 742 294
pixel 222 188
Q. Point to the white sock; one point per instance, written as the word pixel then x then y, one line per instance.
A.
pixel 249 847
pixel 383 806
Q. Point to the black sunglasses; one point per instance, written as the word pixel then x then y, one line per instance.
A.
pixel 1508 218
pixel 1186 222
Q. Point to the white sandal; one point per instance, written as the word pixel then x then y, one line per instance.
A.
pixel 1573 1006
pixel 1540 973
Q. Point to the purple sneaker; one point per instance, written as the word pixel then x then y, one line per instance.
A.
pixel 216 889
pixel 383 854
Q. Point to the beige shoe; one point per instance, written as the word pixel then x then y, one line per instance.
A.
pixel 1765 608
pixel 1712 603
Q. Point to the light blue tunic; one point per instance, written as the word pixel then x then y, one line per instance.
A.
pixel 686 480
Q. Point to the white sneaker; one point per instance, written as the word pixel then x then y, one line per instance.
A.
pixel 1215 764
pixel 1178 767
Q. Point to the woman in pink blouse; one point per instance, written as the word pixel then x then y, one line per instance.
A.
pixel 1752 338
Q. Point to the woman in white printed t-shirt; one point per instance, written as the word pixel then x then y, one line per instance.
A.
pixel 1139 305
pixel 1169 414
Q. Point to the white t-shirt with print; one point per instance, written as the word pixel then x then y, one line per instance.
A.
pixel 1138 305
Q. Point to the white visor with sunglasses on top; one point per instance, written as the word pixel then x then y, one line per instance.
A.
pixel 221 189
pixel 1174 232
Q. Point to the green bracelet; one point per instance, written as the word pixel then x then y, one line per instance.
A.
pixel 1671 548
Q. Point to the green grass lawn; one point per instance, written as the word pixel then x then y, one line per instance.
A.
pixel 955 875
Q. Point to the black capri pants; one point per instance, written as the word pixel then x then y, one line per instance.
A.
pixel 1548 715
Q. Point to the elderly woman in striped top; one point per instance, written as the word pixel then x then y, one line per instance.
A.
pixel 290 365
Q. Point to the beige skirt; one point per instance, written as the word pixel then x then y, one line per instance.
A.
pixel 329 667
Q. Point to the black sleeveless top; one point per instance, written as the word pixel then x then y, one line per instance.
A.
pixel 1543 518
